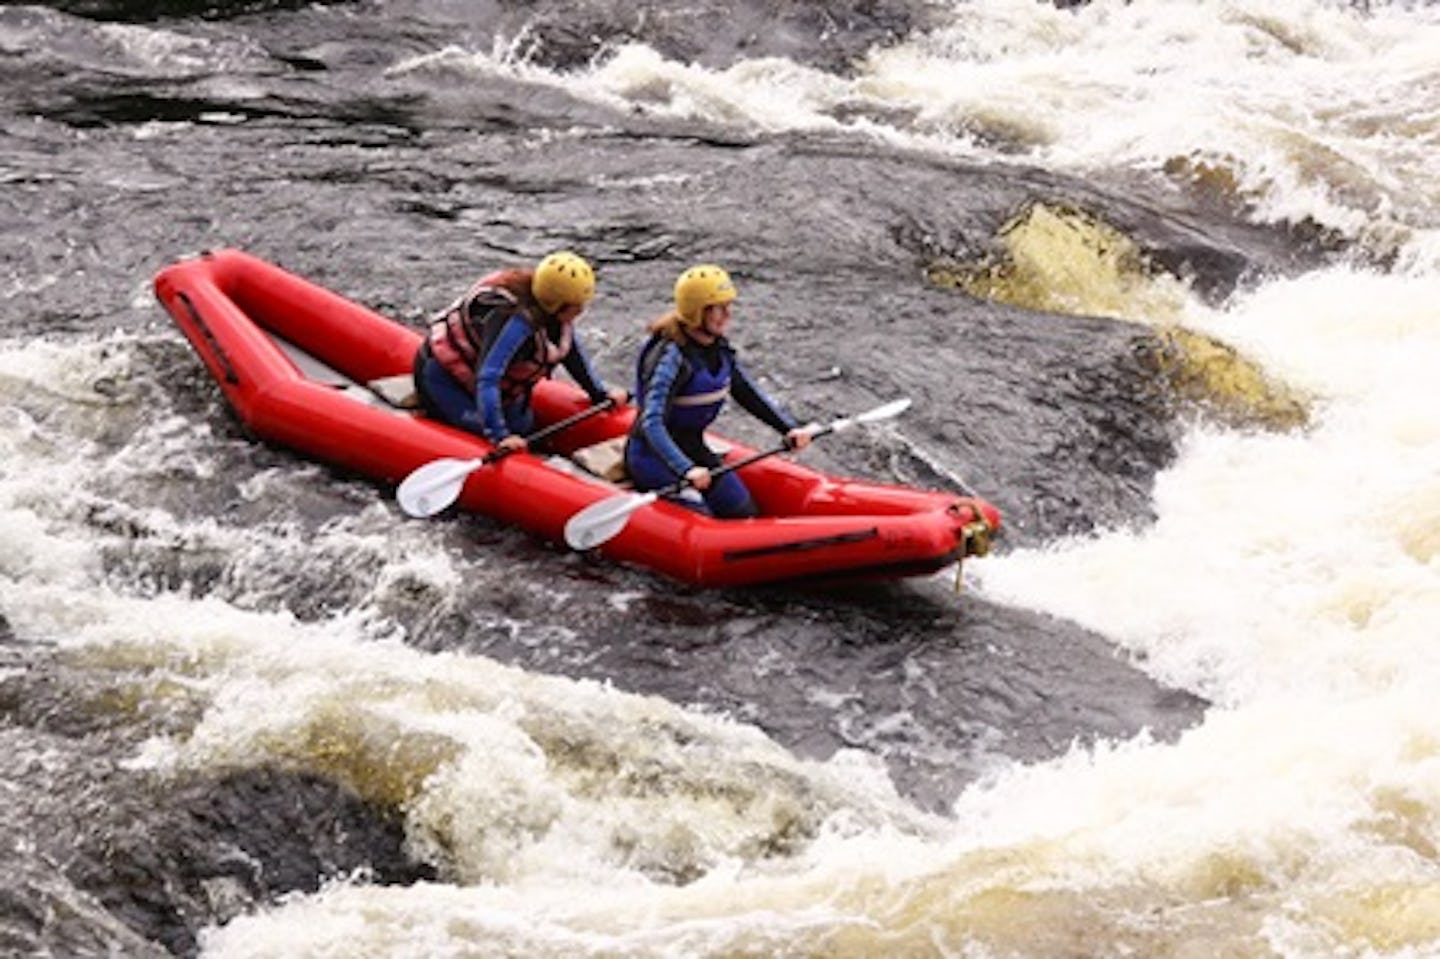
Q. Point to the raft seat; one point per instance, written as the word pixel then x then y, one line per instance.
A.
pixel 398 391
pixel 605 459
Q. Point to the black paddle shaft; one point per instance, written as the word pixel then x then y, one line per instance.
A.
pixel 553 428
pixel 719 471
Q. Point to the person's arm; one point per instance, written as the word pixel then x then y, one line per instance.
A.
pixel 754 401
pixel 577 364
pixel 513 335
pixel 655 404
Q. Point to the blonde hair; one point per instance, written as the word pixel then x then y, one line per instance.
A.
pixel 670 326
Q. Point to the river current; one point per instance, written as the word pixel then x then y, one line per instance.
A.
pixel 1161 279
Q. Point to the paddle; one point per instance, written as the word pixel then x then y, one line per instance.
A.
pixel 437 484
pixel 603 521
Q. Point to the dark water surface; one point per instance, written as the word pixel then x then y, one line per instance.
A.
pixel 135 133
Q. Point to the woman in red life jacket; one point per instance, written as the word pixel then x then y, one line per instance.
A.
pixel 685 372
pixel 486 352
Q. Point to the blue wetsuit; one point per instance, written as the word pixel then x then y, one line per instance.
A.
pixel 681 390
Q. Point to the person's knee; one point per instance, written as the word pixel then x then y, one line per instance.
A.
pixel 729 499
pixel 742 510
pixel 448 403
pixel 643 473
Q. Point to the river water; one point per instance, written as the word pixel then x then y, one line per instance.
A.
pixel 1162 278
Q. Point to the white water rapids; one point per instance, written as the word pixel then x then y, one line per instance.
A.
pixel 1292 578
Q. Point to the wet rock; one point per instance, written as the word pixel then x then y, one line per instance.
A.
pixel 212 850
pixel 121 857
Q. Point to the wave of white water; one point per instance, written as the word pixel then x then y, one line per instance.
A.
pixel 1306 111
pixel 1293 578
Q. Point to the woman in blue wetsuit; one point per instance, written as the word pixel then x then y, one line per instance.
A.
pixel 485 353
pixel 685 372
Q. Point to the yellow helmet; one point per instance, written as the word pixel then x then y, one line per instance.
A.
pixel 699 287
pixel 562 279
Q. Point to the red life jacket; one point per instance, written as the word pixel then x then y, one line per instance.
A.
pixel 462 335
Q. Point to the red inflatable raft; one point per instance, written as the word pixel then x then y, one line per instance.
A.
pixel 308 369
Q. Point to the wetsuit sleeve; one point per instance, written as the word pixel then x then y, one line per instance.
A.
pixel 577 364
pixel 655 406
pixel 754 401
pixel 515 334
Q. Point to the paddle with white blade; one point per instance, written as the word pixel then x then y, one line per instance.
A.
pixel 438 483
pixel 603 521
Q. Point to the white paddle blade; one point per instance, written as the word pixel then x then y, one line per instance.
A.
pixel 883 412
pixel 434 486
pixel 600 522
pixel 891 409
